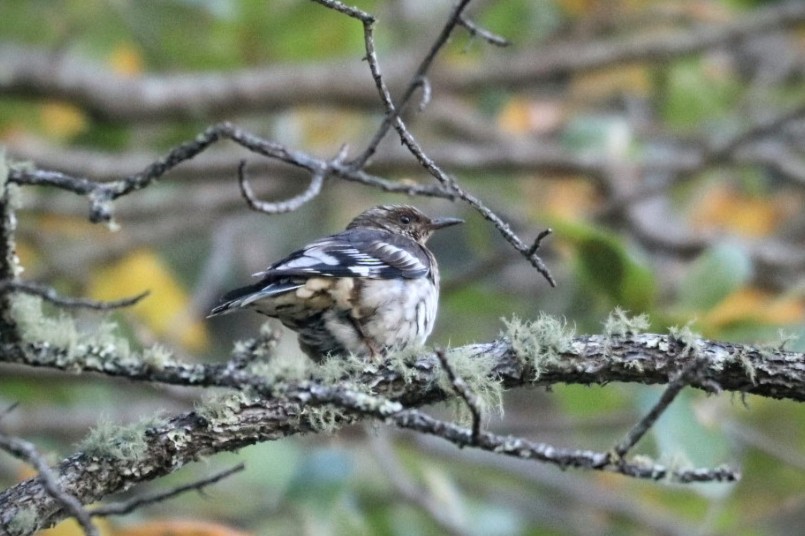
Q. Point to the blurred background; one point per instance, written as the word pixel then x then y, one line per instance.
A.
pixel 662 141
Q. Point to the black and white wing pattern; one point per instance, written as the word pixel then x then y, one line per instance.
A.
pixel 364 253
pixel 354 253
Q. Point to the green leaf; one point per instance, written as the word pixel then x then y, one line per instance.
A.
pixel 719 271
pixel 604 262
pixel 696 93
pixel 690 436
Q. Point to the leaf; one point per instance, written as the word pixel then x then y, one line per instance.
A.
pixel 689 433
pixel 70 527
pixel 61 120
pixel 750 304
pixel 528 116
pixel 126 59
pixel 165 310
pixel 178 527
pixel 717 272
pixel 697 91
pixel 606 265
pixel 722 207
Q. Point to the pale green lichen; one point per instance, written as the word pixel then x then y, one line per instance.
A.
pixel 80 347
pixel 476 371
pixel 121 442
pixel 540 342
pixel 402 362
pixel 24 521
pixel 742 358
pixel 282 368
pixel 620 324
pixel 323 419
pixel 687 337
pixel 221 408
pixel 676 462
pixel 786 338
pixel 157 357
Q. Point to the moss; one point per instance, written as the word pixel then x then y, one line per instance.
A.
pixel 476 370
pixel 742 358
pixel 786 338
pixel 221 408
pixel 157 357
pixel 107 440
pixel 323 419
pixel 620 324
pixel 688 337
pixel 91 347
pixel 24 521
pixel 540 342
pixel 403 362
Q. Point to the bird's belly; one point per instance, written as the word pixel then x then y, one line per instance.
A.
pixel 397 313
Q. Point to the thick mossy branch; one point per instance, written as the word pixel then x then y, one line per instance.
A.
pixel 268 413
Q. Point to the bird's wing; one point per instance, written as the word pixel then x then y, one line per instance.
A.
pixel 362 253
pixel 367 253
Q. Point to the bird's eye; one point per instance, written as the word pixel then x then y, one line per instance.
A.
pixel 405 220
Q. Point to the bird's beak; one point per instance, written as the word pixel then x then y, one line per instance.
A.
pixel 441 223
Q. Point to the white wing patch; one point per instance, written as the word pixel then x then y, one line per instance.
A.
pixel 404 258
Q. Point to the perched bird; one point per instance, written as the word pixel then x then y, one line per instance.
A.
pixel 366 290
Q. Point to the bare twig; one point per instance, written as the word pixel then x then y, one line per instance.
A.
pixel 647 421
pixel 484 34
pixel 392 111
pixel 27 452
pixel 529 450
pixel 538 241
pixel 393 118
pixel 464 392
pixel 50 295
pixel 126 507
pixel 279 207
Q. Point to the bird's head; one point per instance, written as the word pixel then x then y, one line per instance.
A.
pixel 402 219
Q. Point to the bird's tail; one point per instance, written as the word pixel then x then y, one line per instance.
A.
pixel 245 296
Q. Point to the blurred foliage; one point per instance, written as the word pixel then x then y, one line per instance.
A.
pixel 337 485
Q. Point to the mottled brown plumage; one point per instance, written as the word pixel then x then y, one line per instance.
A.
pixel 364 291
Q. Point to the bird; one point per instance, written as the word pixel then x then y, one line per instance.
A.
pixel 368 290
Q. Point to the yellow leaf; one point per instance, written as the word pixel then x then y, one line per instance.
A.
pixel 528 116
pixel 61 120
pixel 724 208
pixel 70 527
pixel 126 59
pixel 602 84
pixel 179 528
pixel 755 305
pixel 571 198
pixel 164 311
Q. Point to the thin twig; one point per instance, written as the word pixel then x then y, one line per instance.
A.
pixel 50 295
pixel 530 450
pixel 463 391
pixel 640 428
pixel 393 118
pixel 486 35
pixel 538 241
pixel 27 452
pixel 392 111
pixel 126 507
pixel 279 207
